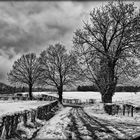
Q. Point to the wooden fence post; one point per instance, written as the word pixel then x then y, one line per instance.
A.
pixel 123 109
pixel 132 109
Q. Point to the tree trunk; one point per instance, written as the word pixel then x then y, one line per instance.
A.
pixel 30 91
pixel 107 81
pixel 60 92
pixel 107 98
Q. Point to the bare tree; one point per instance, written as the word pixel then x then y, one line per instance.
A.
pixel 26 70
pixel 59 68
pixel 108 46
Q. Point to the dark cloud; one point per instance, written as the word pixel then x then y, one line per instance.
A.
pixel 36 24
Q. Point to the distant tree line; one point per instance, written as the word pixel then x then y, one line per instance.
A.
pixel 118 88
pixel 6 89
pixel 87 88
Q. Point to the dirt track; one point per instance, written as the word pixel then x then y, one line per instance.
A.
pixel 74 123
pixel 86 127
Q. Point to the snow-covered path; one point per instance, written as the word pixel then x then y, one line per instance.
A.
pixel 56 127
pixel 105 129
pixel 75 123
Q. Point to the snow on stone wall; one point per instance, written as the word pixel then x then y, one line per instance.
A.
pixel 18 124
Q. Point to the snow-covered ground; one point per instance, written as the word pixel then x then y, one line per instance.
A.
pixel 75 120
pixel 133 97
pixel 97 110
pixel 11 106
pixel 89 123
pixel 118 96
pixel 8 107
pixel 55 128
pixel 125 127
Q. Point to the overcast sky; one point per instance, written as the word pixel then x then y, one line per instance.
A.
pixel 32 26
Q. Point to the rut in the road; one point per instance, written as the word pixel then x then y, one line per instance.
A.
pixel 119 130
pixel 86 127
pixel 74 126
pixel 120 127
pixel 96 129
pixel 93 126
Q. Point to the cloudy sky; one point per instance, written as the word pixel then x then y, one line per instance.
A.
pixel 32 26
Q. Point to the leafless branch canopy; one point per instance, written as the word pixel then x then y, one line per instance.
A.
pixel 59 68
pixel 108 46
pixel 112 34
pixel 26 70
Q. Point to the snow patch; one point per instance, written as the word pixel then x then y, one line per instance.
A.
pixel 9 107
pixel 55 128
pixel 122 126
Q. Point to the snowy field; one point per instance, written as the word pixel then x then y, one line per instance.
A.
pixel 133 97
pixel 9 107
pixel 14 106
pixel 119 96
pixel 123 97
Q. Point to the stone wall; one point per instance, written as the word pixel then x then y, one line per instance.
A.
pixel 9 123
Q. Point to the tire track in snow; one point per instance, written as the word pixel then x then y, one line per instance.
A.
pixel 74 125
pixel 120 129
pixel 97 129
pixel 117 128
pixel 92 128
pixel 80 126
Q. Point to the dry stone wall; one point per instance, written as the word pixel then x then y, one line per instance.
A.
pixel 9 123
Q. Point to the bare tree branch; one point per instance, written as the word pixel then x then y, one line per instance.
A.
pixel 26 70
